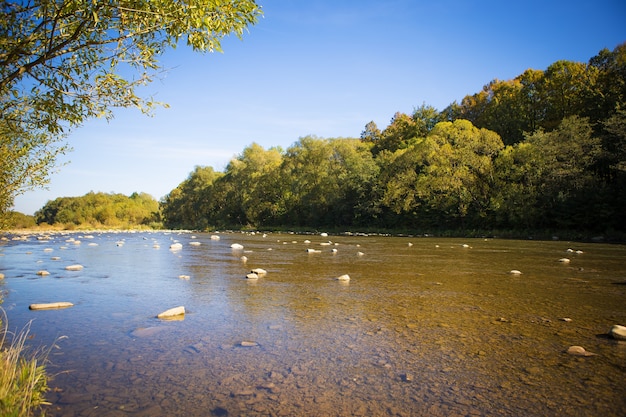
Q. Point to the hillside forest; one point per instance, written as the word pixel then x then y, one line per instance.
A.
pixel 543 151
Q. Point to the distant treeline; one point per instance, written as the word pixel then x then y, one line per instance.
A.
pixel 101 210
pixel 546 150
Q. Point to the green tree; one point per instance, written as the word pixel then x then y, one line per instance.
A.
pixel 191 204
pixel 325 182
pixel 253 188
pixel 565 158
pixel 65 61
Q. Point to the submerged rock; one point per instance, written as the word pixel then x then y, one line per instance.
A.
pixel 618 332
pixel 146 331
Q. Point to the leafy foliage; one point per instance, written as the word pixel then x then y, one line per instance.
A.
pixel 546 150
pixel 65 61
pixel 100 209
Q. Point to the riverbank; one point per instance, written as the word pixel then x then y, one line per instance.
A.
pixel 540 235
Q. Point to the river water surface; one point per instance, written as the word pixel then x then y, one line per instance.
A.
pixel 425 327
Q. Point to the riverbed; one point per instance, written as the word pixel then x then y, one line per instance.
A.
pixel 425 326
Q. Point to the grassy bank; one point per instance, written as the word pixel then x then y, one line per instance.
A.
pixel 23 378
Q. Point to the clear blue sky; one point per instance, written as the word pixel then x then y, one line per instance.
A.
pixel 323 68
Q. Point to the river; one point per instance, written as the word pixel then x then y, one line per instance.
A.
pixel 425 326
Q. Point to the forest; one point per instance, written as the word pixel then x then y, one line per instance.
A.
pixel 545 151
pixel 98 210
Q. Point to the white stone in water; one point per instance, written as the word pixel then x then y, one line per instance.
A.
pixel 236 246
pixel 360 254
pixel 194 243
pixel 215 237
pixel 172 312
pixel 248 343
pixel 259 271
pixel 74 267
pixel 43 273
pixel 252 275
pixel 564 260
pixel 176 246
pixel 579 351
pixel 618 332
pixel 185 277
pixel 313 251
pixel 50 306
pixel 344 277
pixel 515 272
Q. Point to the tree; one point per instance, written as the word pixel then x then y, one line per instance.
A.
pixel 255 194
pixel 65 61
pixel 190 205
pixel 565 158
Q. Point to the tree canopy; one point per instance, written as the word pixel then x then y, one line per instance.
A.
pixel 543 151
pixel 65 61
pixel 101 209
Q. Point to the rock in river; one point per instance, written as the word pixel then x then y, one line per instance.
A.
pixel 579 351
pixel 50 306
pixel 172 313
pixel 74 267
pixel 618 332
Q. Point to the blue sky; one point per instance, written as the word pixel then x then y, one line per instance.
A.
pixel 323 68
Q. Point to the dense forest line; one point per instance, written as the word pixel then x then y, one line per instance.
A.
pixel 98 210
pixel 544 151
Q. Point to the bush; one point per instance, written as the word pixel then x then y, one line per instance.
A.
pixel 23 379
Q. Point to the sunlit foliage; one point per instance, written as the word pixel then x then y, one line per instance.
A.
pixel 65 61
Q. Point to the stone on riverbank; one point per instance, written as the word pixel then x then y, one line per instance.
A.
pixel 618 332
pixel 50 306
pixel 175 312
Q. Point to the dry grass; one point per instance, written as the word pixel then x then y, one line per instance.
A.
pixel 23 379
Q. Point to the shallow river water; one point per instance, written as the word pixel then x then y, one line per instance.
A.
pixel 425 327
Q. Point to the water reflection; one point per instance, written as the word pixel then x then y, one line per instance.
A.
pixel 438 327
